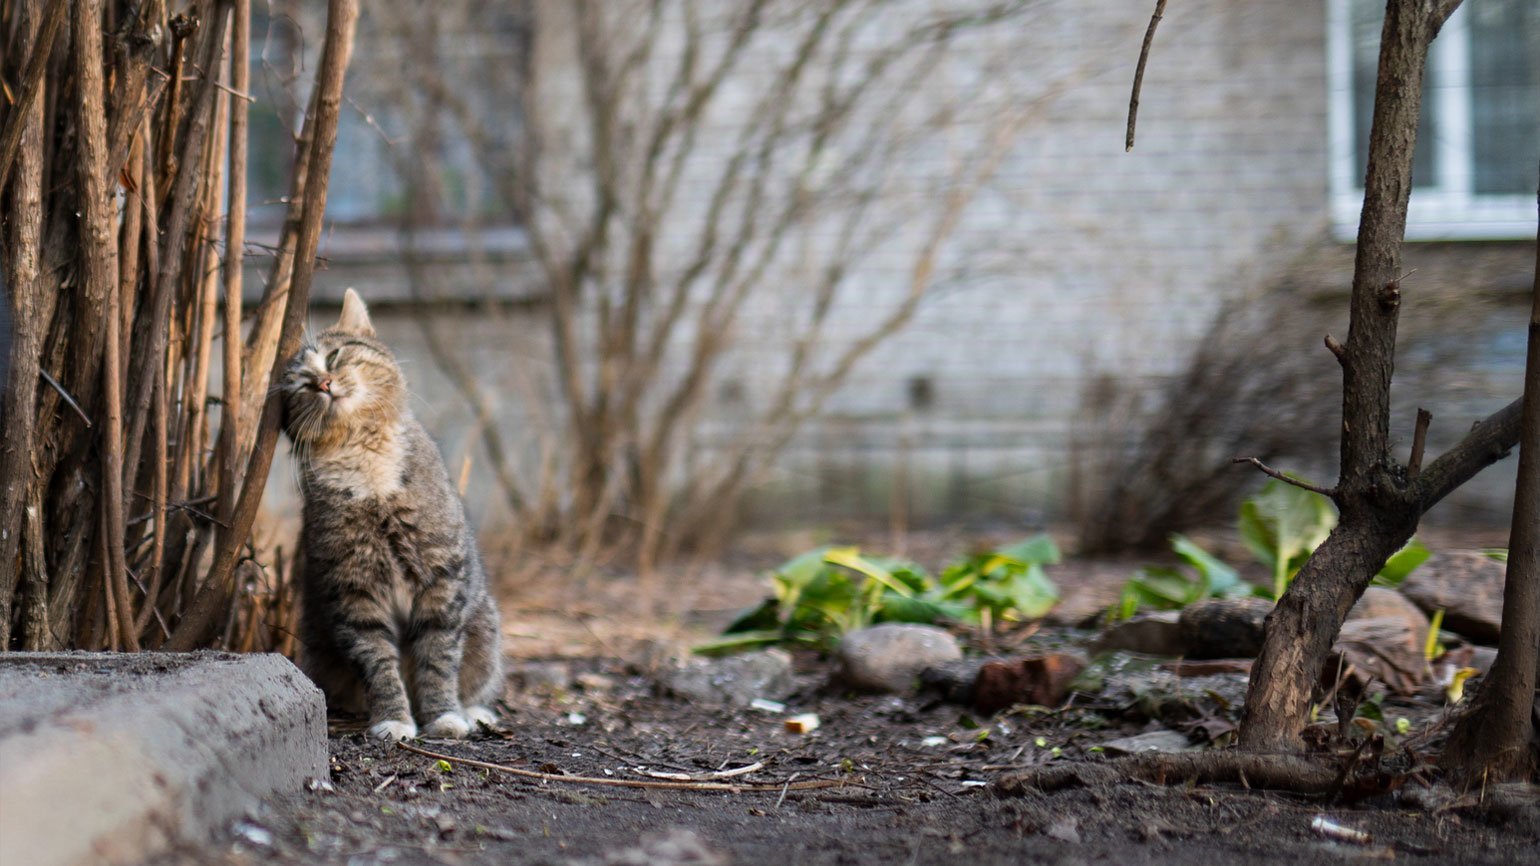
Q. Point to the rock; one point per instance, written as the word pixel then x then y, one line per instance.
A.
pixel 1388 648
pixel 1143 689
pixel 953 682
pixel 1038 680
pixel 1064 829
pixel 546 675
pixel 735 680
pixel 1156 634
pixel 1467 585
pixel 890 657
pixel 1379 602
pixel 1224 628
pixel 1154 741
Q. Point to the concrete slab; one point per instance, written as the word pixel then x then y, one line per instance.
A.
pixel 109 758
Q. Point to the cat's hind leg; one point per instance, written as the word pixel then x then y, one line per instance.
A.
pixel 481 666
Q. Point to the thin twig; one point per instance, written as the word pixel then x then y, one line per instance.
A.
pixel 1287 479
pixel 1144 56
pixel 638 783
pixel 66 395
pixel 1419 444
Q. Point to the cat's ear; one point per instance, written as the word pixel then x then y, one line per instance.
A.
pixel 355 316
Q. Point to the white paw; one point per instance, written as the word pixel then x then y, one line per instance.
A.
pixel 449 726
pixel 390 729
pixel 478 715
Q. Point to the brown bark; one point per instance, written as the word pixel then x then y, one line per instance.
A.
pixel 31 311
pixel 99 269
pixel 211 603
pixel 1492 741
pixel 1379 505
pixel 235 245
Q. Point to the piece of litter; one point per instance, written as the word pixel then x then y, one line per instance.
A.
pixel 767 706
pixel 1332 830
pixel 932 742
pixel 315 784
pixel 254 834
pixel 973 783
pixel 576 719
pixel 803 724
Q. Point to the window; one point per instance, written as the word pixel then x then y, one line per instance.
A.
pixel 1478 142
pixel 405 156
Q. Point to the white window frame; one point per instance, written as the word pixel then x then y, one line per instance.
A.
pixel 1451 210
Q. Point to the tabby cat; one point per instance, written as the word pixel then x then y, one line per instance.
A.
pixel 394 602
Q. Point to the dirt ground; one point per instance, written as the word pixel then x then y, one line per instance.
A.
pixel 883 779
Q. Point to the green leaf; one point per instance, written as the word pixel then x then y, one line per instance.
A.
pixel 1282 525
pixel 898 608
pixel 1037 550
pixel 1220 578
pixel 851 558
pixel 761 617
pixel 739 642
pixel 1498 553
pixel 1032 595
pixel 1402 563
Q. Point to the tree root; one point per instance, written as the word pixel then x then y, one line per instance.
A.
pixel 1293 773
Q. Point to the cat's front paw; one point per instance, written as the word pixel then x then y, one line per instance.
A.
pixel 449 726
pixel 391 729
pixel 478 716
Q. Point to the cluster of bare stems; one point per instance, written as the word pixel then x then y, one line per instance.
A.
pixel 130 474
pixel 683 160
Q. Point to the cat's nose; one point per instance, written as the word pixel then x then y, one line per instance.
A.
pixel 324 384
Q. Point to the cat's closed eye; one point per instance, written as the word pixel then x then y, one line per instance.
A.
pixel 331 358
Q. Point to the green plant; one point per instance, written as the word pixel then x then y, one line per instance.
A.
pixel 1201 575
pixel 824 593
pixel 1281 525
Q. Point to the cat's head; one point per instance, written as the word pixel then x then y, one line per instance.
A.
pixel 344 381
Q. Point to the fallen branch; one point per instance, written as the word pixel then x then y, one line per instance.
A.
pixel 1287 479
pixel 1276 772
pixel 639 783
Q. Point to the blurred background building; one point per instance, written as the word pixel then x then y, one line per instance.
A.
pixel 1098 331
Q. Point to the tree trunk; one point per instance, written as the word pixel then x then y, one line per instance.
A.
pixel 1492 740
pixel 1380 500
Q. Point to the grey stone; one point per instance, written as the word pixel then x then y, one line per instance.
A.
pixel 1157 633
pixel 735 680
pixel 549 676
pixel 1145 689
pixel 1467 585
pixel 891 656
pixel 1378 602
pixel 110 759
pixel 1224 628
pixel 1153 741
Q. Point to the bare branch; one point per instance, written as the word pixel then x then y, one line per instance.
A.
pixel 1285 478
pixel 32 80
pixel 1144 56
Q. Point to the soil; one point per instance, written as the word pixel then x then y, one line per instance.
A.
pixel 902 779
pixel 907 783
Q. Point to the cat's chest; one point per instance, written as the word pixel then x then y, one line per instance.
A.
pixel 363 473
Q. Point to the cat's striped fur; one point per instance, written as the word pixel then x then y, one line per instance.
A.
pixel 395 615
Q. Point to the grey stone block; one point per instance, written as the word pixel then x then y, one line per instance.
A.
pixel 108 758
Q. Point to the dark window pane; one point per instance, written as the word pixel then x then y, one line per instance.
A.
pixel 1505 94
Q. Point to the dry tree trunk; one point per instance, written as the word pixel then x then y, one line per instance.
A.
pixel 1495 738
pixel 108 244
pixel 1380 500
